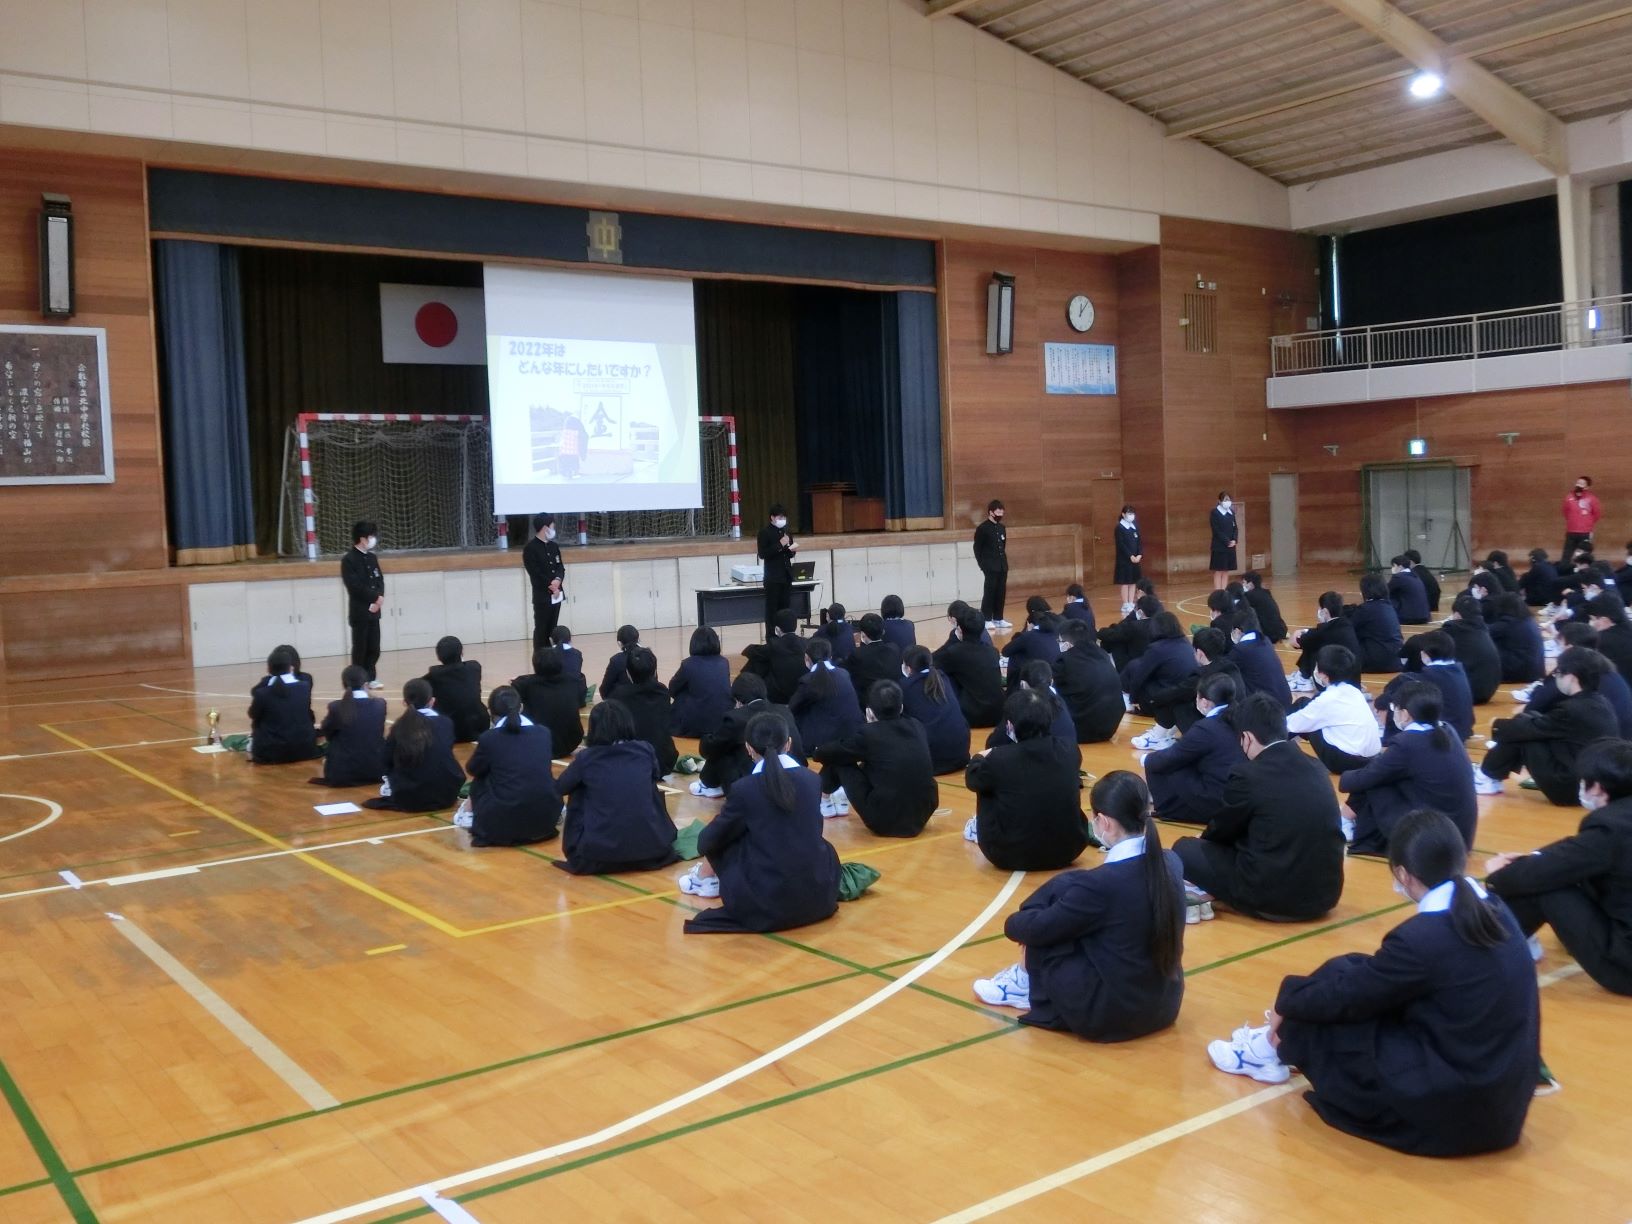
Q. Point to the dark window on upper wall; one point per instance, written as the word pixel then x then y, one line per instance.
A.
pixel 1468 263
pixel 1626 236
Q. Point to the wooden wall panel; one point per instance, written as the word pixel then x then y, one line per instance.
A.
pixel 94 631
pixel 1144 424
pixel 82 528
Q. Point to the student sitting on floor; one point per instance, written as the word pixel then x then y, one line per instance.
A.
pixel 1581 886
pixel 824 705
pixel 572 659
pixel 1176 708
pixel 456 683
pixel 1028 794
pixel 1544 695
pixel 1087 683
pixel 725 754
pixel 1406 593
pixel 1426 576
pixel 1126 640
pixel 647 699
pixel 764 854
pixel 1547 744
pixel 1331 628
pixel 294 663
pixel 971 665
pixel 780 662
pixel 1376 626
pixel 1256 659
pixel 1167 663
pixel 898 630
pixel 1257 597
pixel 954 611
pixel 513 799
pixel 839 633
pixel 1038 639
pixel 1078 608
pixel 927 696
pixel 615 819
pixel 552 699
pixel 354 731
pixel 1539 583
pixel 1425 765
pixel 1039 678
pixel 1187 779
pixel 1338 720
pixel 1431 1045
pixel 1517 638
pixel 421 774
pixel 1475 650
pixel 281 723
pixel 616 674
pixel 1275 849
pixel 882 769
pixel 1437 665
pixel 1496 565
pixel 1607 614
pixel 701 689
pixel 875 658
pixel 1104 946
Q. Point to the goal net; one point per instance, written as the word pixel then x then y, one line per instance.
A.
pixel 428 482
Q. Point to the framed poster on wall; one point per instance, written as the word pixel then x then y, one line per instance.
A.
pixel 1079 369
pixel 56 423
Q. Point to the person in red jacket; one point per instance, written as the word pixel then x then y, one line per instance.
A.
pixel 1581 515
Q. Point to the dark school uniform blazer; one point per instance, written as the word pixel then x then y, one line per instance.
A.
pixel 572 661
pixel 725 742
pixel 281 722
pixel 1025 646
pixel 1377 631
pixel 1082 610
pixel 1060 727
pixel 780 662
pixel 1448 1036
pixel 554 703
pixel 615 676
pixel 1270 621
pixel 972 668
pixel 431 782
pixel 1028 806
pixel 616 820
pixel 776 869
pixel 542 560
pixel 872 662
pixel 1408 774
pixel 1615 644
pixel 1260 668
pixel 1480 660
pixel 1339 631
pixel 1539 583
pixel 457 688
pixel 841 635
pixel 1409 599
pixel 1163 665
pixel 1222 525
pixel 364 583
pixel 1131 634
pixel 894 754
pixel 648 704
pixel 1195 769
pixel 1086 681
pixel 1504 574
pixel 1280 814
pixel 778 560
pixel 1456 698
pixel 1087 940
pixel 991 547
pixel 1430 585
pixel 825 719
pixel 1127 544
pixel 701 694
pixel 355 755
pixel 1519 646
pixel 513 800
pixel 945 728
pixel 900 632
pixel 1553 740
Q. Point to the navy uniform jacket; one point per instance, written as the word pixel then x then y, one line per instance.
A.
pixel 1080 609
pixel 1260 668
pixel 572 660
pixel 1611 688
pixel 841 635
pixel 1539 583
pixel 1615 644
pixel 872 662
pixel 1270 620
pixel 356 752
pixel 1128 545
pixel 542 560
pixel 1409 599
pixel 724 745
pixel 280 720
pixel 648 704
pixel 513 800
pixel 457 688
pixel 1126 640
pixel 1430 585
pixel 1430 1046
pixel 894 754
pixel 991 548
pixel 364 583
pixel 1553 740
pixel 1456 707
pixel 777 558
pixel 701 694
pixel 1408 774
pixel 616 820
pixel 430 783
pixel 554 704
pixel 1087 940
pixel 1187 780
pixel 779 662
pixel 1478 655
pixel 945 728
pixel 1377 630
pixel 776 869
pixel 825 719
pixel 1060 726
pixel 1222 525
pixel 972 668
pixel 900 632
pixel 1027 645
pixel 1028 806
pixel 1086 681
pixel 1163 665
pixel 615 676
pixel 1519 646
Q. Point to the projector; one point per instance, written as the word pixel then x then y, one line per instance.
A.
pixel 747 573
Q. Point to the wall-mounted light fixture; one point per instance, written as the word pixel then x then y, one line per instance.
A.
pixel 1331 449
pixel 1509 436
pixel 56 256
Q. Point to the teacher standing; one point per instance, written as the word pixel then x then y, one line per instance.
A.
pixel 548 574
pixel 776 549
pixel 992 555
pixel 1222 558
pixel 365 596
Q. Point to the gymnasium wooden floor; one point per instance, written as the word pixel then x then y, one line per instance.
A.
pixel 219 1006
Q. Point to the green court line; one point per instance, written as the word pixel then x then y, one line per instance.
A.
pixel 690 1128
pixel 50 1159
pixel 169 722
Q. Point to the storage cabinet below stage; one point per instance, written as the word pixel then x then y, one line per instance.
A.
pixel 220 629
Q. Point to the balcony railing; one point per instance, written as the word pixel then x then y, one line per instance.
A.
pixel 1531 329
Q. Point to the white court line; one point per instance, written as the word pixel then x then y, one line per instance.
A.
pixel 159 688
pixel 1156 1139
pixel 449 1210
pixel 54 810
pixel 714 1085
pixel 34 756
pixel 308 1089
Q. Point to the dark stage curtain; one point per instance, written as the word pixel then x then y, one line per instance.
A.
pixel 312 344
pixel 205 422
pixel 913 467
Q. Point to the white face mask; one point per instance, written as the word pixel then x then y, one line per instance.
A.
pixel 1400 888
pixel 1225 504
pixel 549 533
pixel 371 543
pixel 1128 519
pixel 779 523
pixel 1322 616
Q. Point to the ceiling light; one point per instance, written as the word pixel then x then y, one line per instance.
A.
pixel 1426 85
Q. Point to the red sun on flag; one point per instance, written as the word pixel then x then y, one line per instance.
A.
pixel 436 324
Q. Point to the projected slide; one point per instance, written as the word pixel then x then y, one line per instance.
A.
pixel 592 386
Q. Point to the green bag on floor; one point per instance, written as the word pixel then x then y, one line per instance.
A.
pixel 689 765
pixel 855 879
pixel 464 791
pixel 235 743
pixel 685 841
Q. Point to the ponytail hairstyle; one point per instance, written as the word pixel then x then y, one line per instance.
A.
pixel 1236 592
pixel 766 735
pixel 918 659
pixel 642 665
pixel 1426 704
pixel 822 681
pixel 1428 846
pixel 504 703
pixel 628 638
pixel 351 679
pixel 1123 797
pixel 411 733
pixel 609 723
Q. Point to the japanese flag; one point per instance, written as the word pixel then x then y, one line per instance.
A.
pixel 432 325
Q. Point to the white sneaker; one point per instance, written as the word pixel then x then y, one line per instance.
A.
pixel 1198 912
pixel 464 817
pixel 1004 624
pixel 993 626
pixel 1484 784
pixel 1536 950
pixel 829 808
pixel 1126 608
pixel 1127 703
pixel 969 831
pixel 699 886
pixel 1154 740
pixel 1347 823
pixel 376 684
pixel 1299 683
pixel 1524 694
pixel 1009 987
pixel 841 801
pixel 1252 1056
pixel 706 792
pixel 1552 649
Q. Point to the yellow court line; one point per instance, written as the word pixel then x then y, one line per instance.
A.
pixel 901 843
pixel 188 833
pixel 620 903
pixel 387 948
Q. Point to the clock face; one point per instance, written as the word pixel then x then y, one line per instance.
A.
pixel 1079 312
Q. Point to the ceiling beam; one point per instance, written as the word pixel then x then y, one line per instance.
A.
pixel 947 8
pixel 1536 131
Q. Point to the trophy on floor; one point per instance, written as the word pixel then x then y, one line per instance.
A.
pixel 215 732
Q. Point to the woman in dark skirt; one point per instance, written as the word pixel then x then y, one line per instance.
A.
pixel 421 774
pixel 1130 555
pixel 354 729
pixel 513 800
pixel 616 820
pixel 1221 557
